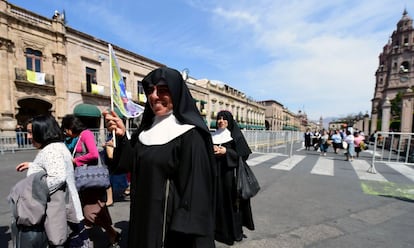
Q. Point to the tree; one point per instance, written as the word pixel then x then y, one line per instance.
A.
pixel 396 107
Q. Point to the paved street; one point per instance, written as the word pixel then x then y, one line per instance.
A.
pixel 307 200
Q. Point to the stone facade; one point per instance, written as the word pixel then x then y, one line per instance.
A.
pixel 395 75
pixel 275 115
pixel 64 56
pixel 247 112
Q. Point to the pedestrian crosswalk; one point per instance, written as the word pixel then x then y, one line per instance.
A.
pixel 325 166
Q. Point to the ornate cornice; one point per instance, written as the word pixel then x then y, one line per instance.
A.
pixel 6 44
pixel 59 58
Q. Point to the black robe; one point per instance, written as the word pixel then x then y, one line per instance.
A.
pixel 308 139
pixel 185 162
pixel 232 212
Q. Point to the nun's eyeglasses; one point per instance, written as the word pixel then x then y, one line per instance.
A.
pixel 161 90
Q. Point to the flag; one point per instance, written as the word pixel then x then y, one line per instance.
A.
pixel 119 94
pixel 97 89
pixel 35 77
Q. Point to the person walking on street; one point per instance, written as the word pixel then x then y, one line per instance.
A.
pixel 336 141
pixel 56 161
pixel 323 141
pixel 173 171
pixel 358 140
pixel 19 135
pixel 232 212
pixel 308 139
pixel 349 139
pixel 93 200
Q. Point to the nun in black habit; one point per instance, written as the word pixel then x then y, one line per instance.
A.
pixel 232 212
pixel 170 156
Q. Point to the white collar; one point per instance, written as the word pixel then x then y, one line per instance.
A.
pixel 163 130
pixel 221 136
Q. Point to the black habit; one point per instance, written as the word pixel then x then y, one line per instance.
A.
pixel 181 170
pixel 232 212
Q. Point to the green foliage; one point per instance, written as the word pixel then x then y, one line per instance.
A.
pixel 396 106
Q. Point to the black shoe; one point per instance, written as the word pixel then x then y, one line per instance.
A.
pixel 116 243
pixel 243 236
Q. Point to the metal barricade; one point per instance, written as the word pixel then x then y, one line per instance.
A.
pixel 272 141
pixel 101 135
pixel 392 147
pixel 16 142
pixel 258 140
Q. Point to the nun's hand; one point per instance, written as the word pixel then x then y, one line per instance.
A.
pixel 219 150
pixel 114 123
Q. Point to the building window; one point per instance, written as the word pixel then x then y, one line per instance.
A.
pixel 406 41
pixel 405 66
pixel 33 60
pixel 141 93
pixel 140 88
pixel 124 78
pixel 90 78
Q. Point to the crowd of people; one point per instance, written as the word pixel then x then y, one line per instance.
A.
pixel 353 142
pixel 181 178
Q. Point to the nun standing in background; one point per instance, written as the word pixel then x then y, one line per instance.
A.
pixel 232 212
pixel 172 166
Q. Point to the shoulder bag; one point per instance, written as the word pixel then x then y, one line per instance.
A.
pixel 247 184
pixel 91 176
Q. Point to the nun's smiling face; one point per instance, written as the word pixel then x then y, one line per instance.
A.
pixel 222 123
pixel 160 100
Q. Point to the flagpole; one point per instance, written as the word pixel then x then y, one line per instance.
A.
pixel 112 90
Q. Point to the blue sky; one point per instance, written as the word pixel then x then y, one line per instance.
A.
pixel 317 56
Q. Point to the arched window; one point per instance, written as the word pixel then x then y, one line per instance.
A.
pixel 33 60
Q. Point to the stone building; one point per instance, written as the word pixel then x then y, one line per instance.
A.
pixel 395 77
pixel 48 67
pixel 274 115
pixel 248 113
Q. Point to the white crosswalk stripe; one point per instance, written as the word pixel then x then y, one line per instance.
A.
pixel 403 169
pixel 262 158
pixel 289 163
pixel 361 168
pixel 324 166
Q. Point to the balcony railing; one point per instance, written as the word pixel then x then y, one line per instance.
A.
pixel 21 75
pixel 96 89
